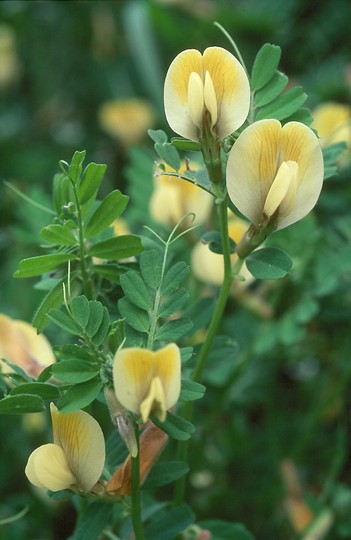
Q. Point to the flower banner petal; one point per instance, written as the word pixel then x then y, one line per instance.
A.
pixel 82 441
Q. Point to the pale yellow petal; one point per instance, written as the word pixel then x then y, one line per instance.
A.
pixel 133 370
pixel 232 89
pixel 38 345
pixel 252 166
pixel 300 144
pixel 176 93
pixel 278 190
pixel 196 98
pixel 21 345
pixel 210 98
pixel 166 202
pixel 206 265
pixel 48 468
pixel 155 401
pixel 168 369
pixel 289 202
pixel 82 441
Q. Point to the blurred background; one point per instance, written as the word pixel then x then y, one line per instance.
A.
pixel 89 75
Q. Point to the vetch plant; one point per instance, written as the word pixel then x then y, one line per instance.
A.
pixel 138 332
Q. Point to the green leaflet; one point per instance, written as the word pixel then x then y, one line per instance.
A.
pixel 109 209
pixel 36 266
pixel 269 263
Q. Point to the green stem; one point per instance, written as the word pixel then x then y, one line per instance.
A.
pixel 154 314
pixel 136 499
pixel 87 285
pixel 211 333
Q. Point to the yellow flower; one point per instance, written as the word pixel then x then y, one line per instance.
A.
pixel 74 460
pixel 126 119
pixel 173 198
pixel 147 382
pixel 206 92
pixel 275 172
pixel 333 123
pixel 208 266
pixel 21 345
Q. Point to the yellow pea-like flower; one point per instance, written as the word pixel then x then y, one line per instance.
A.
pixel 275 172
pixel 74 460
pixel 208 266
pixel 173 198
pixel 333 123
pixel 21 345
pixel 206 92
pixel 147 382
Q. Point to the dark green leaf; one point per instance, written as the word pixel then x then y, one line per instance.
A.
pixel 80 310
pixel 75 371
pixel 174 329
pixel 191 390
pixel 168 524
pixel 224 530
pixel 121 247
pixel 73 352
pixel 222 359
pixel 64 321
pixel 151 267
pixel 90 182
pixel 214 241
pixel 92 521
pixel 116 335
pixel 96 315
pixel 135 289
pixel 59 235
pixel 157 135
pixel 200 312
pixel 265 65
pixel 168 154
pixel 62 191
pixel 176 427
pixel 303 115
pixel 108 210
pixel 185 144
pixel 80 395
pixel 165 473
pixel 271 90
pixel 43 390
pixel 136 318
pixel 186 353
pixel 173 277
pixel 20 373
pixel 100 336
pixel 75 168
pixel 269 263
pixel 109 271
pixel 35 266
pixel 284 106
pixel 52 300
pixel 173 302
pixel 23 403
pixel 45 375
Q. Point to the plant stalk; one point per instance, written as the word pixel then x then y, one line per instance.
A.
pixel 136 499
pixel 210 335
